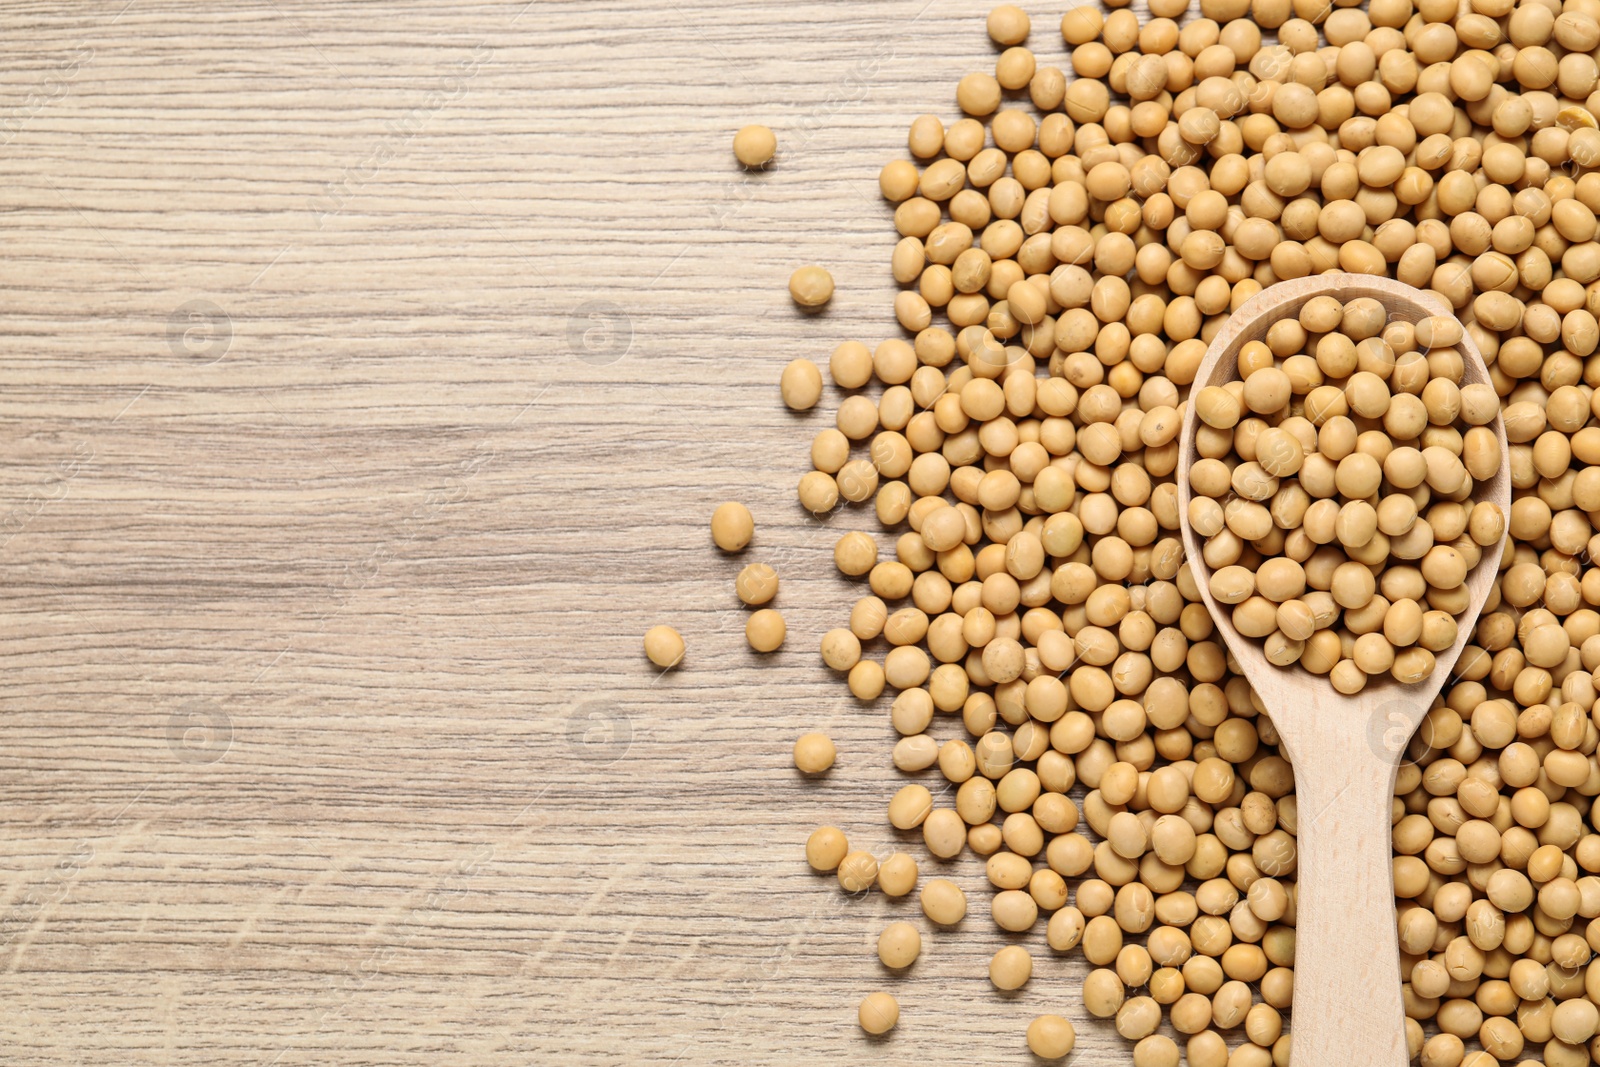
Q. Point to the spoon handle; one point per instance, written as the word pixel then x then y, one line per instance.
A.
pixel 1347 1004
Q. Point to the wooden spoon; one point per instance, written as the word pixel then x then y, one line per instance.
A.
pixel 1345 749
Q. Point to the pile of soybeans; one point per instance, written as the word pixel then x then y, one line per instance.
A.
pixel 1068 244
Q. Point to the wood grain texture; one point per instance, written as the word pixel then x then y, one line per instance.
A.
pixel 1346 749
pixel 369 373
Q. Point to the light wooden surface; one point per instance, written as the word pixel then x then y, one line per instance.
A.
pixel 369 374
pixel 1345 749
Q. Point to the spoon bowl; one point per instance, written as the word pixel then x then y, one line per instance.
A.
pixel 1345 750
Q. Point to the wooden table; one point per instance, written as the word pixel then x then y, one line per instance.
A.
pixel 370 374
